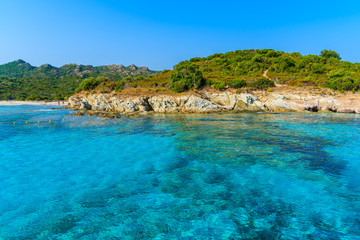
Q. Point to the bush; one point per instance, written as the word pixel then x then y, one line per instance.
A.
pixel 220 86
pixel 238 83
pixel 329 54
pixel 88 84
pixel 343 80
pixel 196 59
pixel 344 84
pixel 128 79
pixel 285 64
pixel 179 86
pixel 318 69
pixel 120 85
pixel 33 97
pixel 273 54
pixel 139 78
pixel 188 75
pixel 263 83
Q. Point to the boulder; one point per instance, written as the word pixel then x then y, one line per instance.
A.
pixel 163 104
pixel 84 105
pixel 197 104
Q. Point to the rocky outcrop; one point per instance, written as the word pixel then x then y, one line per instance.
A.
pixel 212 101
pixel 287 99
pixel 190 103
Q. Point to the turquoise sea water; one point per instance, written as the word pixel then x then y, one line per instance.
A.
pixel 228 176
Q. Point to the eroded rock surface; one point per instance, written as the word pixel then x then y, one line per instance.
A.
pixel 210 101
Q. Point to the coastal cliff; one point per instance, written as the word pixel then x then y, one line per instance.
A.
pixel 282 99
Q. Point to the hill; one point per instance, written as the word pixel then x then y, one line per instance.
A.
pixel 21 81
pixel 259 69
pixel 249 69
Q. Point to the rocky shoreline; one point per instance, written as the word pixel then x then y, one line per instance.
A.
pixel 281 99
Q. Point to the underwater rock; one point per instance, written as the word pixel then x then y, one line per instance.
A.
pixel 78 114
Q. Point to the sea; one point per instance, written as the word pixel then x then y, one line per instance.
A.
pixel 178 176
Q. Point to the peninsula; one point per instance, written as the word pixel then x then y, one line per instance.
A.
pixel 244 80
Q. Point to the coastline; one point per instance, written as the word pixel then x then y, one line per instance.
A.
pixel 280 99
pixel 19 103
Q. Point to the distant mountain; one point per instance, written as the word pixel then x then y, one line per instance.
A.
pixel 15 69
pixel 21 81
pixel 20 68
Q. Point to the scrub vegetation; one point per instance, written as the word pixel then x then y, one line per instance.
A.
pixel 251 69
pixel 257 69
pixel 21 81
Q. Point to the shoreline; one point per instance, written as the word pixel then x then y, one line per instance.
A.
pixel 34 103
pixel 280 99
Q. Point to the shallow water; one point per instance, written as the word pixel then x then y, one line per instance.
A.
pixel 216 176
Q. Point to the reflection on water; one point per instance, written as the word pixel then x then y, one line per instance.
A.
pixel 216 176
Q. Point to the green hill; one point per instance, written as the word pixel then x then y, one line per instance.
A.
pixel 21 81
pixel 254 68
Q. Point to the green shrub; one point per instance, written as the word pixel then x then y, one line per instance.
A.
pixel 318 69
pixel 220 86
pixel 88 84
pixel 344 84
pixel 285 64
pixel 33 97
pixel 179 86
pixel 128 79
pixel 343 80
pixel 139 78
pixel 329 54
pixel 120 85
pixel 165 71
pixel 263 83
pixel 238 83
pixel 188 75
pixel 196 59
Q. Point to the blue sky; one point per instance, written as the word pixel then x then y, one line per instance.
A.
pixel 159 34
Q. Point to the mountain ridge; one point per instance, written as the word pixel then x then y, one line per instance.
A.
pixel 21 68
pixel 19 80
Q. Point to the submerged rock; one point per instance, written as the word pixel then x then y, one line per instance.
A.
pixel 78 114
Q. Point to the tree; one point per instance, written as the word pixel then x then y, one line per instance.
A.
pixel 263 83
pixel 238 83
pixel 88 84
pixel 329 54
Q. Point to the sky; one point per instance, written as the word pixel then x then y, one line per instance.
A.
pixel 159 34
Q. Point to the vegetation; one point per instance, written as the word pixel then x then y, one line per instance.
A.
pixel 120 85
pixel 90 83
pixel 21 81
pixel 246 68
pixel 186 76
pixel 254 69
pixel 238 83
pixel 263 83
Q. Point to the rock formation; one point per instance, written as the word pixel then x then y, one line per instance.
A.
pixel 212 101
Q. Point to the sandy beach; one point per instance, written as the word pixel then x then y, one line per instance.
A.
pixel 12 103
